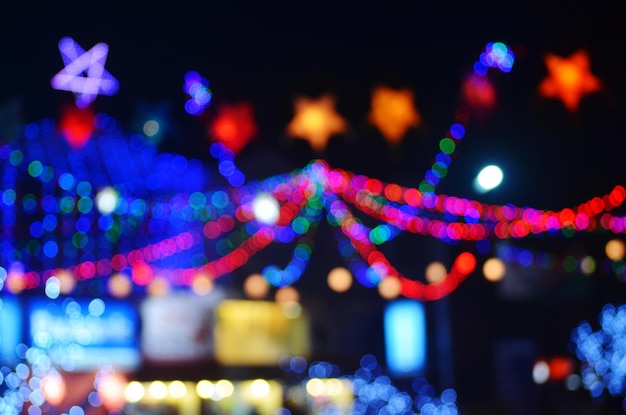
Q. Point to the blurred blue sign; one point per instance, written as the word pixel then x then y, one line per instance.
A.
pixel 85 334
pixel 405 337
pixel 10 327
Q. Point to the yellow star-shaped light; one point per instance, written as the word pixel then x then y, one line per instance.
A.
pixel 569 79
pixel 316 120
pixel 393 112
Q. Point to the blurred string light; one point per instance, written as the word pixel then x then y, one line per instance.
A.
pixel 569 79
pixel 96 81
pixel 163 219
pixel 603 353
pixel 496 55
pixel 568 263
pixel 199 93
pixel 226 164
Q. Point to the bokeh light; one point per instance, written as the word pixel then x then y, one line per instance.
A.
pixel 488 178
pixel 435 272
pixel 615 249
pixel 494 269
pixel 287 295
pixel 389 288
pixel 266 209
pixel 339 279
pixel 202 284
pixel 541 372
pixel 255 286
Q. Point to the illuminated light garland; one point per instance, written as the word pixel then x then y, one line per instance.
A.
pixel 386 202
pixel 496 55
pixel 226 164
pixel 141 232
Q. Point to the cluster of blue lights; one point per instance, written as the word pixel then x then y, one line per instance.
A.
pixel 496 55
pixel 375 394
pixel 603 353
pixel 198 89
pixel 54 189
pixel 226 164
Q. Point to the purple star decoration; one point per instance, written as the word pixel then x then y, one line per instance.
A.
pixel 91 63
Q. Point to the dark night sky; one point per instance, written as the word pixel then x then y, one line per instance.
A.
pixel 269 54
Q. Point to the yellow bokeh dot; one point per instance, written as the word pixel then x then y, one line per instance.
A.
pixel 494 269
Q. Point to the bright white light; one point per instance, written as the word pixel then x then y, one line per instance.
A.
pixel 266 209
pixel 106 200
pixel 205 389
pixel 157 389
pixel 260 388
pixel 489 178
pixel 541 372
pixel 177 389
pixel 224 388
pixel 134 391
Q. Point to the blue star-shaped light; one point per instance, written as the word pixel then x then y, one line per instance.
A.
pixel 91 63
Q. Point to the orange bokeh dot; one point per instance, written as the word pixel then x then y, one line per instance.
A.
pixel 255 286
pixel 339 279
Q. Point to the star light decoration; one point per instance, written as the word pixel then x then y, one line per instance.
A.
pixel 96 81
pixel 316 121
pixel 569 79
pixel 393 113
pixel 233 126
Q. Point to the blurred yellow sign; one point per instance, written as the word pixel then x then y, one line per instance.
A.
pixel 259 333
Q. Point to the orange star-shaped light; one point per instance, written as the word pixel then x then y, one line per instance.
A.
pixel 393 112
pixel 569 79
pixel 316 120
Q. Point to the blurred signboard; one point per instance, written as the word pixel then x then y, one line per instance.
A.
pixel 83 334
pixel 259 332
pixel 178 327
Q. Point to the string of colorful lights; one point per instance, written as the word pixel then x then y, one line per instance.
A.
pixel 159 226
